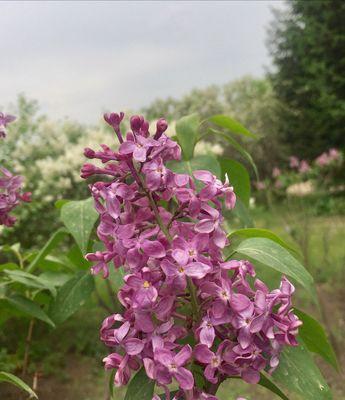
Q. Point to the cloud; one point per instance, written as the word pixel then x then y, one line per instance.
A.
pixel 78 58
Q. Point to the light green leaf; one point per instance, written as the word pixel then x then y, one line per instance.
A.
pixel 275 256
pixel 232 125
pixel 52 243
pixel 207 162
pixel 298 373
pixel 264 233
pixel 59 203
pixel 71 296
pixel 315 338
pixel 79 218
pixel 9 266
pixel 30 280
pixel 14 380
pixel 29 307
pixel 233 143
pixel 140 387
pixel 56 278
pixel 187 133
pixel 238 177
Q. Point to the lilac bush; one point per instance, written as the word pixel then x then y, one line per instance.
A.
pixel 11 194
pixel 184 305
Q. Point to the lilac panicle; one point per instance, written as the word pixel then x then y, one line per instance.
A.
pixel 11 194
pixel 167 236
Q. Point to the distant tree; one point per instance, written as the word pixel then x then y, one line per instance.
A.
pixel 307 43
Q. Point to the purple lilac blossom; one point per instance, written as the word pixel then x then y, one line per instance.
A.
pixel 11 194
pixel 177 287
pixel 5 119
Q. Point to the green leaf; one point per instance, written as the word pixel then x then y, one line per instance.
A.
pixel 233 143
pixel 30 280
pixel 265 381
pixel 238 177
pixel 52 243
pixel 59 203
pixel 298 373
pixel 14 380
pixel 9 266
pixel 232 125
pixel 315 338
pixel 264 233
pixel 187 133
pixel 56 278
pixel 207 162
pixel 243 214
pixel 71 296
pixel 29 307
pixel 275 256
pixel 79 218
pixel 140 387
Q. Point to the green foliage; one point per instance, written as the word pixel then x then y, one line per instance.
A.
pixel 14 380
pixel 73 294
pixel 298 373
pixel 187 133
pixel 232 125
pixel 307 45
pixel 140 387
pixel 315 338
pixel 208 162
pixel 238 176
pixel 272 255
pixel 29 308
pixel 79 218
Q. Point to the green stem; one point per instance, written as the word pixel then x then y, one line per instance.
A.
pixel 194 301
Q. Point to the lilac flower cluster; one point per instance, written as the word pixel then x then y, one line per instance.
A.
pixel 5 119
pixel 183 305
pixel 10 185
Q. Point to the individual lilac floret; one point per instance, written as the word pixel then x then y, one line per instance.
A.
pixel 166 233
pixel 5 119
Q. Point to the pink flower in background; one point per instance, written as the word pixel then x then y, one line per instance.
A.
pixel 166 232
pixel 261 185
pixel 303 167
pixel 276 172
pixel 294 162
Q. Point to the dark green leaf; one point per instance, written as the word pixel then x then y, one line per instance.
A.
pixel 207 162
pixel 14 380
pixel 298 373
pixel 315 338
pixel 275 256
pixel 140 387
pixel 79 218
pixel 29 307
pixel 232 125
pixel 54 240
pixel 187 133
pixel 71 296
pixel 238 177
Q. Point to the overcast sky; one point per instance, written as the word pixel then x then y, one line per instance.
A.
pixel 80 58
